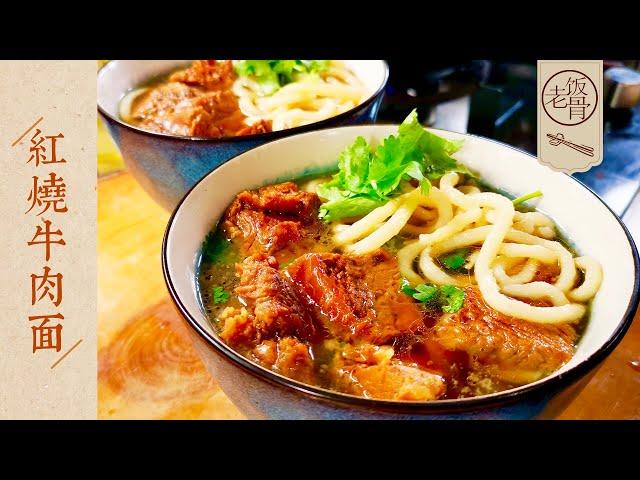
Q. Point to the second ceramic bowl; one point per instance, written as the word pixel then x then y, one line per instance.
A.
pixel 168 166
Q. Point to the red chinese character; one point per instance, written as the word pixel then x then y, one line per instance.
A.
pixel 44 237
pixel 47 337
pixel 46 285
pixel 38 149
pixel 51 193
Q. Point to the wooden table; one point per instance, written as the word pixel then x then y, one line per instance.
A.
pixel 147 366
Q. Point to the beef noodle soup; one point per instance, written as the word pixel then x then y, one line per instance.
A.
pixel 213 98
pixel 401 277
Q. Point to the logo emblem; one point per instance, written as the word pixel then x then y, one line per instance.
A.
pixel 569 97
pixel 570 130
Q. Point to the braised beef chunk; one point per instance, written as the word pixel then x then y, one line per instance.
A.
pixel 395 311
pixel 284 200
pixel 277 309
pixel 196 102
pixel 237 326
pixel 208 74
pixel 356 297
pixel 512 350
pixel 272 218
pixel 371 371
pixel 166 109
pixel 211 114
pixel 178 109
pixel 288 356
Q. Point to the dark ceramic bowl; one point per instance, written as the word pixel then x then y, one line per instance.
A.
pixel 167 166
pixel 262 393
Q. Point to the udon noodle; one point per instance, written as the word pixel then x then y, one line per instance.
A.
pixel 309 99
pixel 451 218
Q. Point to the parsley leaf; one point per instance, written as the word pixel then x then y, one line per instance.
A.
pixel 343 207
pixel 348 194
pixel 272 75
pixel 216 248
pixel 219 295
pixel 455 260
pixel 425 292
pixel 367 179
pixel 451 298
pixel 406 288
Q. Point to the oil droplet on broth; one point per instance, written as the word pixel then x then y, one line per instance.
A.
pixel 635 364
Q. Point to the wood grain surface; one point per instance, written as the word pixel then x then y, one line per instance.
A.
pixel 147 366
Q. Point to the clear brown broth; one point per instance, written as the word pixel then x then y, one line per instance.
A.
pixel 461 380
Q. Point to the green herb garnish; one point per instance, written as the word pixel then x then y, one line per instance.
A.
pixel 272 75
pixel 216 248
pixel 406 288
pixel 219 295
pixel 455 260
pixel 449 297
pixel 425 293
pixel 524 198
pixel 367 179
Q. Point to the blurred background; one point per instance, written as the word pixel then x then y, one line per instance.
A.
pixel 498 100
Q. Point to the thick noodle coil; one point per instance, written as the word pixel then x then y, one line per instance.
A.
pixel 514 248
pixel 308 99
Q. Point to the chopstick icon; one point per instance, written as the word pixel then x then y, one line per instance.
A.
pixel 558 139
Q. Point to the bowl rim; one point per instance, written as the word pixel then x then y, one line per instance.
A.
pixel 265 137
pixel 522 393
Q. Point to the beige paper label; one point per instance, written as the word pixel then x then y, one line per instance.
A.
pixel 570 114
pixel 48 255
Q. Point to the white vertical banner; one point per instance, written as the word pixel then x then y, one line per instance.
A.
pixel 48 254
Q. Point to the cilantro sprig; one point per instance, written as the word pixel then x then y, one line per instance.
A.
pixel 216 248
pixel 423 293
pixel 451 298
pixel 220 295
pixel 272 75
pixel 369 178
pixel 448 297
pixel 454 261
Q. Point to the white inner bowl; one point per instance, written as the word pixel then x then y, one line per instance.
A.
pixel 591 227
